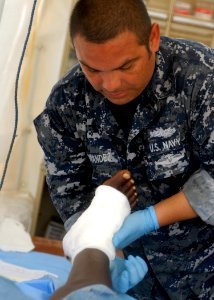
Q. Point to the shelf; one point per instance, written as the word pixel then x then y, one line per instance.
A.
pixel 178 25
pixel 183 19
pixel 48 246
pixel 158 15
pixel 191 20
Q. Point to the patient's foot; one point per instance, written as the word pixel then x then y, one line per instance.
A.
pixel 123 182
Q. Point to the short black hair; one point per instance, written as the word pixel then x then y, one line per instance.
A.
pixel 101 20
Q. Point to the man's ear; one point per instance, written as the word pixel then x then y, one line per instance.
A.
pixel 154 39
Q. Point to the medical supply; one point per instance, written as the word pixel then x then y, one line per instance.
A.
pixel 104 220
pixel 204 9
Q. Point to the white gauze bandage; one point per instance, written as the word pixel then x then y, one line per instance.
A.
pixel 97 225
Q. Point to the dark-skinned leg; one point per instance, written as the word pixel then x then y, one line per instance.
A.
pixel 91 266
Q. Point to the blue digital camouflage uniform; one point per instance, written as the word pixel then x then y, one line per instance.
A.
pixel 170 147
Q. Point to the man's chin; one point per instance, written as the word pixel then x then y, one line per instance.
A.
pixel 119 100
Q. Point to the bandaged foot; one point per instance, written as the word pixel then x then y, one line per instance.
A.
pixel 97 225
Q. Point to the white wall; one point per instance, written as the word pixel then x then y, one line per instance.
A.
pixel 41 70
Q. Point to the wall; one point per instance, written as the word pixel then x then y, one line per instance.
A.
pixel 42 68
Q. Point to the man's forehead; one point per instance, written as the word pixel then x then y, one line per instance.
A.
pixel 114 53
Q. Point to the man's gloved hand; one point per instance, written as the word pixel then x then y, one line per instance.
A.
pixel 136 225
pixel 126 273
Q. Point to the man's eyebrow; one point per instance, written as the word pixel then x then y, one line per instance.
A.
pixel 84 64
pixel 128 61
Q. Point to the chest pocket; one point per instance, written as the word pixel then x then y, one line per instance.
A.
pixel 166 152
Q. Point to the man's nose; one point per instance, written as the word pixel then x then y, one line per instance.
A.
pixel 111 81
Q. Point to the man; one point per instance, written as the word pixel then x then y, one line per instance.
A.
pixel 144 103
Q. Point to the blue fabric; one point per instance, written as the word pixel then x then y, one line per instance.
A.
pixel 10 291
pixel 55 264
pixel 38 289
pixel 43 288
pixel 97 292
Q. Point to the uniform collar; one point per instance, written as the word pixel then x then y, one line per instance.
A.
pixel 162 81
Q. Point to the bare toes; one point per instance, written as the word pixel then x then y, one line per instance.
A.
pixel 133 200
pixel 119 179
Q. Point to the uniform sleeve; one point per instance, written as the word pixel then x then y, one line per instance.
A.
pixel 67 165
pixel 199 189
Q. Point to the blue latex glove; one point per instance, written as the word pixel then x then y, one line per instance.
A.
pixel 136 225
pixel 126 273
